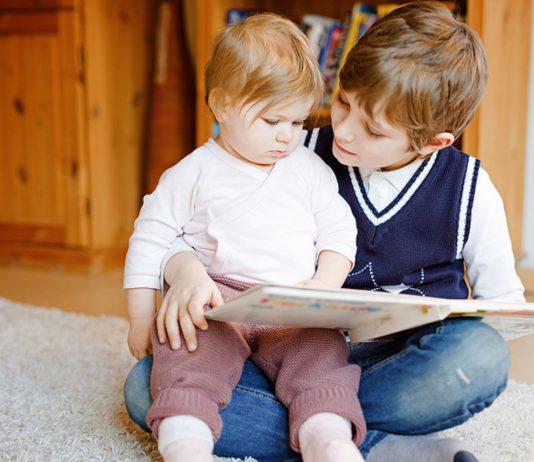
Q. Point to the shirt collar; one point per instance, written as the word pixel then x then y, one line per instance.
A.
pixel 398 178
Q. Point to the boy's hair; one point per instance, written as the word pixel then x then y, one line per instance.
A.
pixel 266 58
pixel 422 67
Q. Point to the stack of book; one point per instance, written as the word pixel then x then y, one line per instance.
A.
pixel 333 38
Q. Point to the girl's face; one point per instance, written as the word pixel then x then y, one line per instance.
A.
pixel 363 141
pixel 261 138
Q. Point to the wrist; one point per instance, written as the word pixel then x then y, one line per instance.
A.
pixel 139 318
pixel 181 266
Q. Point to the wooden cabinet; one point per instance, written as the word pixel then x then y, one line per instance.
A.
pixel 497 134
pixel 73 95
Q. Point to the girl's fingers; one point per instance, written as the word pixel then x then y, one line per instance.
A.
pixel 196 312
pixel 171 324
pixel 188 330
pixel 216 298
pixel 160 320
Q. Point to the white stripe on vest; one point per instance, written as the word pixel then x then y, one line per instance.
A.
pixel 402 202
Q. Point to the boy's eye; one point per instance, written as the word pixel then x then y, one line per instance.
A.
pixel 298 123
pixel 271 121
pixel 372 133
pixel 342 100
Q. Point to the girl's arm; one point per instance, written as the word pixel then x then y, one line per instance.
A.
pixel 332 270
pixel 159 222
pixel 141 308
pixel 189 289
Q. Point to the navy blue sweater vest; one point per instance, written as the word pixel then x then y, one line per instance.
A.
pixel 417 240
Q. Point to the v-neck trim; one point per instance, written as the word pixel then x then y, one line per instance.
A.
pixel 373 215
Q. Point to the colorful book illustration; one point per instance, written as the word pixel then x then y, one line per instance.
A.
pixel 365 314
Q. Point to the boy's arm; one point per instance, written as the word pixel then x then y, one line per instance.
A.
pixel 488 251
pixel 141 309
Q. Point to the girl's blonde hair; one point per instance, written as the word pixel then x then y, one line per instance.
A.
pixel 264 59
pixel 422 67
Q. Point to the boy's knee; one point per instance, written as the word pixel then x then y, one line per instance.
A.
pixel 137 396
pixel 487 349
pixel 477 360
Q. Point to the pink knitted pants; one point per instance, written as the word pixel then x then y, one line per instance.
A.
pixel 308 366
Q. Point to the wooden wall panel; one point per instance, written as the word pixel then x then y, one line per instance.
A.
pixel 22 5
pixel 31 177
pixel 172 114
pixel 498 135
pixel 118 40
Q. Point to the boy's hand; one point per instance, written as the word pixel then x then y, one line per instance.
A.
pixel 139 336
pixel 190 288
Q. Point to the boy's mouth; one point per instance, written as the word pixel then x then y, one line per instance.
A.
pixel 343 150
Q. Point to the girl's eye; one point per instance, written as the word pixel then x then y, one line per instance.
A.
pixel 298 123
pixel 271 121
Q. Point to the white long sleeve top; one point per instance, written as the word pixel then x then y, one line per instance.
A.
pixel 243 222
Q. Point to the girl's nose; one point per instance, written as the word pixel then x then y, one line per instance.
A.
pixel 284 133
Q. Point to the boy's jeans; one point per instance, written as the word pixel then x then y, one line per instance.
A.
pixel 425 380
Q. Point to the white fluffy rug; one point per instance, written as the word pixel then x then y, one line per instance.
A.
pixel 61 377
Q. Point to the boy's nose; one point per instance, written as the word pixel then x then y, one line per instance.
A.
pixel 344 131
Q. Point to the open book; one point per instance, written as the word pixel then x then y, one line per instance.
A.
pixel 365 314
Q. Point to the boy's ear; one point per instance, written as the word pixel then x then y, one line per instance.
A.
pixel 218 102
pixel 440 141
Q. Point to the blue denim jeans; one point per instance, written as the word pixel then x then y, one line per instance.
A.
pixel 416 382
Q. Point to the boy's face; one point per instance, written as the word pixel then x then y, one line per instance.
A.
pixel 364 141
pixel 262 138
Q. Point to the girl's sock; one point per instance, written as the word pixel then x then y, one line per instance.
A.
pixel 327 437
pixel 404 448
pixel 185 438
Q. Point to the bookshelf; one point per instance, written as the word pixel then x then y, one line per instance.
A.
pixel 496 135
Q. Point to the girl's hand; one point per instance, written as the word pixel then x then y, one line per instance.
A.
pixel 190 288
pixel 141 308
pixel 139 336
